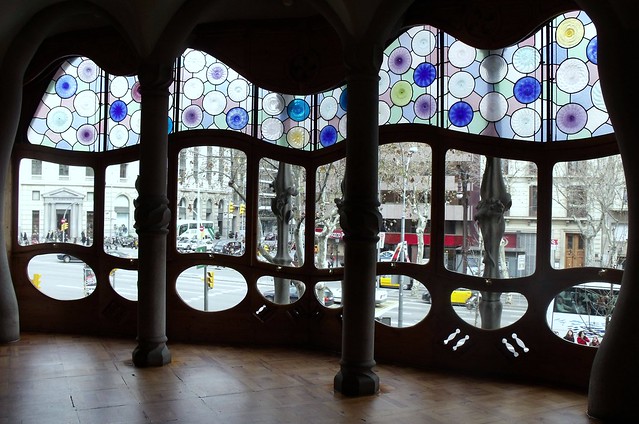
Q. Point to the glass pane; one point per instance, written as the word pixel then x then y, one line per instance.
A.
pixel 212 207
pixel 211 288
pixel 590 214
pixel 124 282
pixel 400 301
pixel 62 209
pixel 266 286
pixel 71 110
pixel 285 119
pixel 119 218
pixel 405 179
pixel 465 248
pixel 329 247
pixel 213 95
pixel 581 313
pixel 466 303
pixel 61 276
pixel 289 181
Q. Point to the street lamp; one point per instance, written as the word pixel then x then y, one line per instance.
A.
pixel 402 248
pixel 462 194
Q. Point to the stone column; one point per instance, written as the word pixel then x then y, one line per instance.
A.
pixel 613 388
pixel 361 221
pixel 282 208
pixel 495 200
pixel 152 217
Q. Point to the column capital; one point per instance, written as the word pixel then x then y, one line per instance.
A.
pixel 155 78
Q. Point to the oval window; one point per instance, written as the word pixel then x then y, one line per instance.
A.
pixel 211 288
pixel 61 276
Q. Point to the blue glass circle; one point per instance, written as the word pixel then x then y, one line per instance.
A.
pixel 66 86
pixel 118 110
pixel 425 74
pixel 328 136
pixel 460 114
pixel 170 126
pixel 237 118
pixel 343 99
pixel 298 110
pixel 591 50
pixel 527 90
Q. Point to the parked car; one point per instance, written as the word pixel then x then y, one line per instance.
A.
pixel 66 258
pixel 185 244
pixel 457 297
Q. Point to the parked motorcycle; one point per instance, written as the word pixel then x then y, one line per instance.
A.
pixel 473 300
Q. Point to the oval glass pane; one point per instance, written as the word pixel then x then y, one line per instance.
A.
pixel 466 304
pixel 211 288
pixel 399 301
pixel 329 293
pixel 61 276
pixel 124 282
pixel 280 290
pixel 580 314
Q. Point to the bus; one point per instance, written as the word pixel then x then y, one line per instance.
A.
pixel 191 228
pixel 585 307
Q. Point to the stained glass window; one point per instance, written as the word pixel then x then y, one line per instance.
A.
pixel 578 108
pixel 286 120
pixel 69 114
pixel 123 122
pixel 213 95
pixel 409 79
pixel 544 88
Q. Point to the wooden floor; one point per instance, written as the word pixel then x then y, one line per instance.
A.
pixel 74 379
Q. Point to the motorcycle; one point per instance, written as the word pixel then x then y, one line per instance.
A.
pixel 473 300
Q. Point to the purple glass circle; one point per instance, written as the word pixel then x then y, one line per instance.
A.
pixel 136 93
pixel 425 106
pixel 571 118
pixel 399 60
pixel 86 135
pixel 192 116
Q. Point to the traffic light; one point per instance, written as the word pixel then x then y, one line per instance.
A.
pixel 209 279
pixel 242 209
pixel 36 280
pixel 64 226
pixel 231 207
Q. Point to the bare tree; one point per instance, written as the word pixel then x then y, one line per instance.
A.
pixel 592 194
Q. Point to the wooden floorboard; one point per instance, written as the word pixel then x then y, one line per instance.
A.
pixel 74 379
